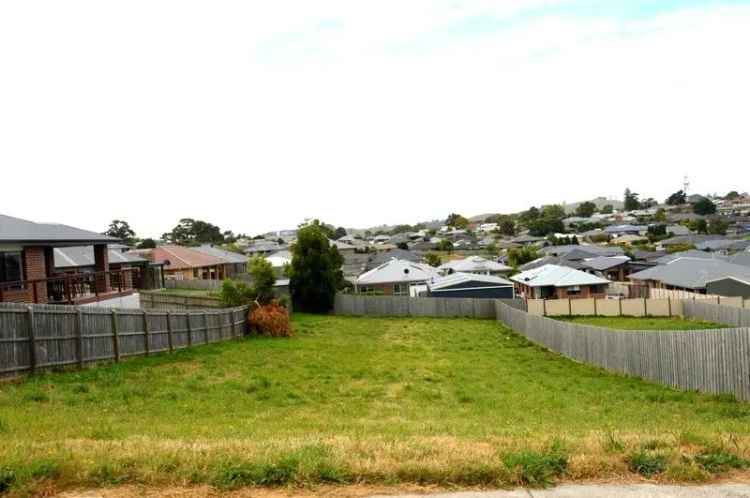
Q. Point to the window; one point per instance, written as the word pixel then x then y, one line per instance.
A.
pixel 366 290
pixel 400 289
pixel 11 267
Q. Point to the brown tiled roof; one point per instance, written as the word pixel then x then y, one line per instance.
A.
pixel 183 257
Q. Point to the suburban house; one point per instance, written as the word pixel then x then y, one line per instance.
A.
pixel 264 247
pixel 27 264
pixel 729 286
pixel 691 274
pixel 470 285
pixel 614 268
pixel 378 259
pixel 559 282
pixel 396 278
pixel 187 263
pixel 235 263
pixel 475 264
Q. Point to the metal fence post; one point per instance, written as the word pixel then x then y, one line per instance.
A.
pixel 32 338
pixel 115 336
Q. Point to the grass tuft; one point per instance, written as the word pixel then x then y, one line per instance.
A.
pixel 647 464
pixel 532 468
pixel 718 461
pixel 7 480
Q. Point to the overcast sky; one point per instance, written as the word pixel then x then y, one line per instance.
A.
pixel 254 115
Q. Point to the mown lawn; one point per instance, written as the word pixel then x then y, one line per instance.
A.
pixel 387 401
pixel 642 323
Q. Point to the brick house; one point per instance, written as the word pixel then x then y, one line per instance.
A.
pixel 188 263
pixel 27 268
pixel 559 282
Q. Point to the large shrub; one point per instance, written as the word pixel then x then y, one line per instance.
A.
pixel 315 273
pixel 271 320
pixel 264 278
pixel 236 293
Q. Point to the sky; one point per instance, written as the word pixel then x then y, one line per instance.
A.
pixel 256 115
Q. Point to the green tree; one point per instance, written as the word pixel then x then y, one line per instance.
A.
pixel 120 229
pixel 677 199
pixel 445 245
pixel 148 243
pixel 607 209
pixel 704 206
pixel 521 256
pixel 586 209
pixel 190 232
pixel 339 232
pixel 315 272
pixel 455 220
pixel 732 195
pixel 507 226
pixel 264 278
pixel 699 226
pixel 631 201
pixel 660 215
pixel 718 226
pixel 433 259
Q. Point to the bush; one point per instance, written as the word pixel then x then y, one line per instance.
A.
pixel 236 293
pixel 271 320
pixel 718 461
pixel 647 464
pixel 264 278
pixel 537 469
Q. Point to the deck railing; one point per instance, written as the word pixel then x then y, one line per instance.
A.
pixel 73 288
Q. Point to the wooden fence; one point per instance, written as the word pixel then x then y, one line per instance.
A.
pixel 163 300
pixel 622 307
pixel 193 284
pixel 436 307
pixel 44 336
pixel 714 361
pixel 729 315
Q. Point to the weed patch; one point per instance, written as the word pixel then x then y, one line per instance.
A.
pixel 718 461
pixel 647 464
pixel 536 469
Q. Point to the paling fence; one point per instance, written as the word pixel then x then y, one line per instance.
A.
pixel 714 361
pixel 160 300
pixel 44 336
pixel 436 307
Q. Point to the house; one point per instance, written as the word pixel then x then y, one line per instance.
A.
pixel 614 268
pixel 689 273
pixel 629 240
pixel 396 277
pixel 741 258
pixel 383 257
pixel 585 250
pixel 381 239
pixel 343 247
pixel 487 227
pixel 235 263
pixel 677 230
pixel 474 264
pixel 27 263
pixel 625 230
pixel 691 239
pixel 723 245
pixel 470 285
pixel 264 247
pixel 559 282
pixel 691 253
pixel 525 240
pixel 187 263
pixel 280 259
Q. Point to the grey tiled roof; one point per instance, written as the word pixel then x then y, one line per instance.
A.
pixel 692 273
pixel 18 230
pixel 692 253
pixel 228 256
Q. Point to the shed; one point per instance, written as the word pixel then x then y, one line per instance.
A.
pixel 729 286
pixel 460 284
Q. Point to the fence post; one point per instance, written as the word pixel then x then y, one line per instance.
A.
pixel 619 302
pixel 146 334
pixel 115 336
pixel 79 336
pixel 32 338
pixel 645 307
pixel 596 312
pixel 169 331
pixel 669 305
pixel 189 329
pixel 205 325
pixel 544 307
pixel 570 308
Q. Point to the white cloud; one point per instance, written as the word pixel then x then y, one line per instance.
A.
pixel 255 116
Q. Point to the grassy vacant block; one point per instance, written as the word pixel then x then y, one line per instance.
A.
pixel 374 401
pixel 642 323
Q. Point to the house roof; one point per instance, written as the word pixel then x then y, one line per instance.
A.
pixel 180 257
pixel 723 245
pixel 78 256
pixel 18 230
pixel 690 239
pixel 460 278
pixel 602 263
pixel 398 270
pixel 227 256
pixel 525 239
pixel 384 257
pixel 691 253
pixel 280 258
pixel 557 276
pixel 741 258
pixel 583 250
pixel 692 273
pixel 474 264
pixel 624 229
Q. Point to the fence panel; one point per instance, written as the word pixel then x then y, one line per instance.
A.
pixel 714 361
pixel 41 336
pixel 436 307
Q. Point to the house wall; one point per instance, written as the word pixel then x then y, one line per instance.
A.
pixel 35 267
pixel 489 293
pixel 729 287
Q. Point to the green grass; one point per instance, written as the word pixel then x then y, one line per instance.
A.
pixel 387 401
pixel 642 323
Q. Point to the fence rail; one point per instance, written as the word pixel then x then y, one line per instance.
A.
pixel 437 307
pixel 163 300
pixel 34 337
pixel 714 361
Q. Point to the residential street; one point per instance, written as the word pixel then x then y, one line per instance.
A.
pixel 608 491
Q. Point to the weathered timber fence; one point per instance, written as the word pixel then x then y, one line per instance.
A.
pixel 163 300
pixel 714 361
pixel 34 337
pixel 436 307
pixel 193 284
pixel 730 315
